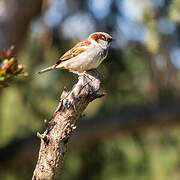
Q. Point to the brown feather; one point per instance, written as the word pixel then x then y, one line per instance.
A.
pixel 72 53
pixel 96 36
pixel 76 50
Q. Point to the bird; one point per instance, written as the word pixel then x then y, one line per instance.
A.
pixel 86 55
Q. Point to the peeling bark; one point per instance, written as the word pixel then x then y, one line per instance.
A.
pixel 55 138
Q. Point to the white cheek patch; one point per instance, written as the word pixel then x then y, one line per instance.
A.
pixel 93 42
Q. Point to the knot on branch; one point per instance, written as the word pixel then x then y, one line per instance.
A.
pixel 43 137
pixel 67 131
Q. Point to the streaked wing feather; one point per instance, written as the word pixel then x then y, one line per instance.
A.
pixel 76 50
pixel 72 53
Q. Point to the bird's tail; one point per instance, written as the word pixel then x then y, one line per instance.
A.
pixel 48 69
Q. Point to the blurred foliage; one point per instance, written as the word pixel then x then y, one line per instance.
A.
pixel 9 67
pixel 148 155
pixel 143 66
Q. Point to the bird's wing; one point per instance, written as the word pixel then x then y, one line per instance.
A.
pixel 76 50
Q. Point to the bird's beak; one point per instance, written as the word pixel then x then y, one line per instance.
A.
pixel 113 39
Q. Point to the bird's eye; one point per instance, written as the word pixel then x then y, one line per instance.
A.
pixel 103 38
pixel 110 39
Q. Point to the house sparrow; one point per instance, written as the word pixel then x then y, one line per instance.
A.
pixel 86 55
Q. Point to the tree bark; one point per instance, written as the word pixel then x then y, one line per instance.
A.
pixel 59 128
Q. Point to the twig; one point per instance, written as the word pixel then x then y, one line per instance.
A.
pixel 55 138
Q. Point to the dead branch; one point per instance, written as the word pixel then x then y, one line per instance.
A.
pixel 55 138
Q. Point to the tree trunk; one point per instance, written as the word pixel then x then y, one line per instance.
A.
pixel 55 138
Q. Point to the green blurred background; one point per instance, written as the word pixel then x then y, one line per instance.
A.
pixel 133 133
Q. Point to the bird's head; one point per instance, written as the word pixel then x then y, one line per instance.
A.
pixel 101 38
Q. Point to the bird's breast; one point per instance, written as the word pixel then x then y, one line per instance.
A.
pixel 90 59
